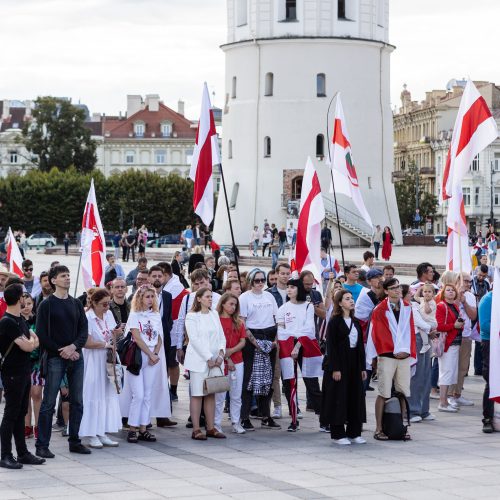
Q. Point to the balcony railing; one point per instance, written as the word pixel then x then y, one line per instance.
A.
pixel 398 175
pixel 427 171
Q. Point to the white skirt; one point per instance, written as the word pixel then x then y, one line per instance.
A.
pixel 196 380
pixel 448 366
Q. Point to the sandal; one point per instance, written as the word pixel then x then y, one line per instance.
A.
pixel 132 437
pixel 146 436
pixel 198 435
pixel 214 433
pixel 380 436
pixel 407 437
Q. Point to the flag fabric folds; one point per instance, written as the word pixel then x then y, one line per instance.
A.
pixel 205 156
pixel 494 378
pixel 14 257
pixel 345 178
pixel 312 213
pixel 93 246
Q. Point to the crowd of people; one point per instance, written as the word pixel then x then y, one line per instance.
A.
pixel 110 359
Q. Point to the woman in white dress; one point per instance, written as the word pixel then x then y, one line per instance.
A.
pixel 101 407
pixel 146 394
pixel 205 350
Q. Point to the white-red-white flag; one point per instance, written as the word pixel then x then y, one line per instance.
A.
pixel 93 245
pixel 345 177
pixel 205 156
pixel 312 213
pixel 474 129
pixel 14 257
pixel 494 378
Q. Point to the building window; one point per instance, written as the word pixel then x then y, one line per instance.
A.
pixel 341 9
pixel 369 182
pixel 320 85
pixel 13 158
pixel 161 156
pixel 129 156
pixel 189 156
pixel 475 164
pixel 380 12
pixel 234 196
pixel 166 129
pixel 403 164
pixel 229 149
pixel 233 88
pixel 269 83
pixel 496 165
pixel 139 129
pixel 466 195
pixel 267 147
pixel 496 197
pixel 476 196
pixel 241 12
pixel 297 188
pixel 217 184
pixel 290 10
pixel 320 146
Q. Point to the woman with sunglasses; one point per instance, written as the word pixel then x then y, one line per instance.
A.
pixel 101 408
pixel 258 309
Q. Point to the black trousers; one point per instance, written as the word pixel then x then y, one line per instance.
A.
pixel 263 402
pixel 351 430
pixel 488 404
pixel 17 392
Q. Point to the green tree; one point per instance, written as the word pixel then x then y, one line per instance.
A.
pixel 58 137
pixel 406 192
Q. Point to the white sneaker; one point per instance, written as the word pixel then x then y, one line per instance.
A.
pixel 108 442
pixel 447 409
pixel 299 415
pixel 237 429
pixel 464 402
pixel 342 442
pixel 277 412
pixel 453 402
pixel 429 418
pixel 94 442
pixel 415 419
pixel 358 440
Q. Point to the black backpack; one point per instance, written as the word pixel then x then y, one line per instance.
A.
pixel 392 419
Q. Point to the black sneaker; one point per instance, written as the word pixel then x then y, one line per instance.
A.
pixel 9 462
pixel 487 426
pixel 30 459
pixel 79 448
pixel 247 425
pixel 44 453
pixel 370 388
pixel 293 427
pixel 324 428
pixel 255 414
pixel 269 423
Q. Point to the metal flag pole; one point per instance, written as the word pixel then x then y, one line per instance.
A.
pixel 235 249
pixel 78 272
pixel 333 183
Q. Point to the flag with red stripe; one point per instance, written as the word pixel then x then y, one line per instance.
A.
pixel 345 177
pixel 14 257
pixel 312 213
pixel 205 156
pixel 93 245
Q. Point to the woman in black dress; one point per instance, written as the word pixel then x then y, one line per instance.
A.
pixel 344 373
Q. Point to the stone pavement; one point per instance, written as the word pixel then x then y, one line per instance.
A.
pixel 447 458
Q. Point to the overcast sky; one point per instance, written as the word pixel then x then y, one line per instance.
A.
pixel 98 51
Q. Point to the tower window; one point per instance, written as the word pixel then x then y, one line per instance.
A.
pixel 230 148
pixel 234 196
pixel 297 188
pixel 139 129
pixel 267 147
pixel 320 146
pixel 341 9
pixel 290 10
pixel 166 129
pixel 269 84
pixel 320 85
pixel 241 12
pixel 233 88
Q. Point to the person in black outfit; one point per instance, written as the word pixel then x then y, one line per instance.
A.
pixel 61 325
pixel 344 365
pixel 16 343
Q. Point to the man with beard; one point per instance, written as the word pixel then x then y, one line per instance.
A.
pixel 46 289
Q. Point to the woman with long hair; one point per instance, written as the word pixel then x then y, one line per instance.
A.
pixel 387 241
pixel 204 357
pixel 234 331
pixel 147 393
pixel 101 406
pixel 344 373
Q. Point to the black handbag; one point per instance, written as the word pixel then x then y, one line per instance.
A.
pixel 130 354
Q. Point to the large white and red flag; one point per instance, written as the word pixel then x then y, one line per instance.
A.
pixel 312 213
pixel 458 257
pixel 14 257
pixel 205 157
pixel 494 377
pixel 93 245
pixel 345 178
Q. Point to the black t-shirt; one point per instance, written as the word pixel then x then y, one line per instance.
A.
pixel 17 361
pixel 123 312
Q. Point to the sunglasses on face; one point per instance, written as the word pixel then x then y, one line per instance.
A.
pixel 395 288
pixel 26 269
pixel 259 280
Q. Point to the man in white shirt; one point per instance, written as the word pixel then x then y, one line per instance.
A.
pixel 368 259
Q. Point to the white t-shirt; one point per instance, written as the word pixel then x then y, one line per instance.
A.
pixel 353 332
pixel 298 320
pixel 259 310
pixel 471 302
pixel 149 325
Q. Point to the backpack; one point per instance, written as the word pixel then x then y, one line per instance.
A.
pixel 392 419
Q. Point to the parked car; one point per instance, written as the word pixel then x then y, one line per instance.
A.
pixel 166 239
pixel 41 240
pixel 441 239
pixel 413 232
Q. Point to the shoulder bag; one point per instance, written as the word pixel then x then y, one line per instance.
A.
pixel 215 384
pixel 439 342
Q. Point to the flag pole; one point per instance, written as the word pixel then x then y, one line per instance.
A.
pixel 333 183
pixel 235 249
pixel 78 272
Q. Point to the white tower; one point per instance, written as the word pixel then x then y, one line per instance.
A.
pixel 285 60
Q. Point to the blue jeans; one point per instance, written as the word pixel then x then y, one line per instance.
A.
pixel 255 247
pixel 56 369
pixel 420 386
pixel 274 263
pixel 435 373
pixel 282 248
